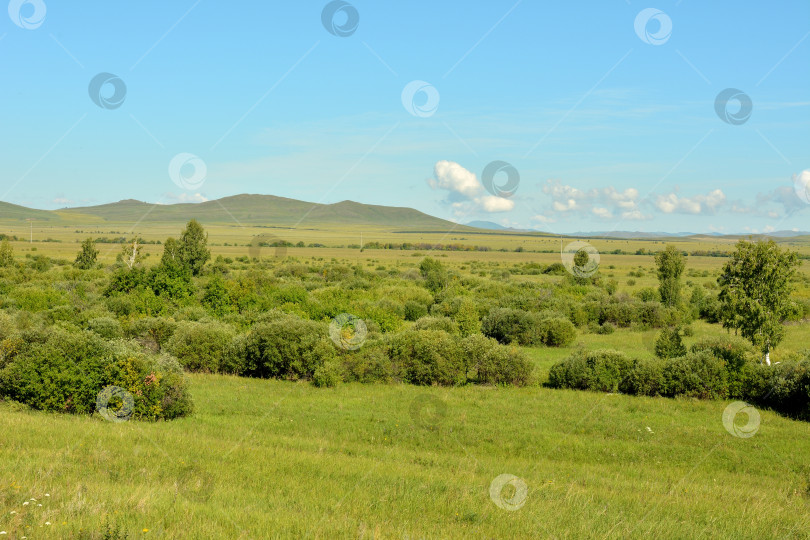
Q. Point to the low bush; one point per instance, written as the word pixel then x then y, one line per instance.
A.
pixel 699 375
pixel 65 370
pixel 669 343
pixel 644 378
pixel 557 331
pixel 414 310
pixel 735 351
pixel 599 370
pixel 106 327
pixel 426 357
pixel 288 347
pixel 496 364
pixel 445 324
pixel 200 346
pixel 512 326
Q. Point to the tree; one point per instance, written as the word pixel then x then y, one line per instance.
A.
pixel 6 254
pixel 581 258
pixel 669 344
pixel 171 252
pixel 467 317
pixel 670 264
pixel 130 253
pixel 755 287
pixel 172 277
pixel 86 258
pixel 193 250
pixel 216 297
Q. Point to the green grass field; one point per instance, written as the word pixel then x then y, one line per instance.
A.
pixel 263 459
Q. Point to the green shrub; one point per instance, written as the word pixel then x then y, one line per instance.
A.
pixel 64 371
pixel 368 364
pixel 647 294
pixel 496 364
pixel 784 387
pixel 152 332
pixel 106 327
pixel 466 316
pixel 512 326
pixel 200 346
pixel 733 350
pixel 599 370
pixel 327 375
pixel 414 310
pixel 445 324
pixel 35 299
pixel 699 375
pixel 644 378
pixel 288 347
pixel 557 332
pixel 427 357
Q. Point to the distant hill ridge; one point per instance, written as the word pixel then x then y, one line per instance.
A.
pixel 270 210
pixel 243 209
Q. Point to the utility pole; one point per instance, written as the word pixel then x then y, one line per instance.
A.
pixel 31 238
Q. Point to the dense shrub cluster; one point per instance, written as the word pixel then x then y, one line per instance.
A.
pixel 428 323
pixel 525 328
pixel 715 368
pixel 64 369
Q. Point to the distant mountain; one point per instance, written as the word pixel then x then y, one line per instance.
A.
pixel 630 234
pixel 272 211
pixel 242 209
pixel 660 234
pixel 486 225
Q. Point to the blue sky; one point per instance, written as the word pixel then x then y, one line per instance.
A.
pixel 609 129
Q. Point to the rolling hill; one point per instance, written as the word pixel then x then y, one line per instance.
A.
pixel 242 209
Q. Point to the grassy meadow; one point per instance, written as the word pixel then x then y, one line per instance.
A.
pixel 263 458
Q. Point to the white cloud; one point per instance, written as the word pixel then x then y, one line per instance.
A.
pixel 465 191
pixel 635 215
pixel 699 204
pixel 455 179
pixel 604 202
pixel 491 203
pixel 565 206
pixel 543 219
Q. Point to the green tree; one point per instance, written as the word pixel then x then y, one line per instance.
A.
pixel 467 317
pixel 216 297
pixel 131 253
pixel 171 252
pixel 434 273
pixel 6 254
pixel 670 264
pixel 193 250
pixel 669 344
pixel 755 287
pixel 86 258
pixel 581 258
pixel 172 277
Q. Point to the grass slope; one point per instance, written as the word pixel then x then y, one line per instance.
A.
pixel 264 459
pixel 10 211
